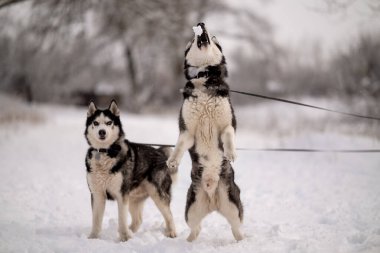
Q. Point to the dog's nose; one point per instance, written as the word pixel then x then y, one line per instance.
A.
pixel 102 133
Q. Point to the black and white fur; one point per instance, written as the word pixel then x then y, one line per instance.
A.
pixel 207 129
pixel 124 171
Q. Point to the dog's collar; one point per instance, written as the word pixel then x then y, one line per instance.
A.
pixel 201 74
pixel 114 149
pixel 101 150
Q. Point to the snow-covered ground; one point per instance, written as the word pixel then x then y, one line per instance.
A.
pixel 294 202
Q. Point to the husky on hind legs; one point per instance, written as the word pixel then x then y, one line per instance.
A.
pixel 207 129
pixel 126 172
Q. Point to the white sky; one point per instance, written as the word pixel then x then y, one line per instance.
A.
pixel 302 21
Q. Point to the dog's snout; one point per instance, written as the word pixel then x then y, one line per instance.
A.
pixel 203 38
pixel 102 133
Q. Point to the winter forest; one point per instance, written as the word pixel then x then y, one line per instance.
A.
pixel 58 55
pixel 69 51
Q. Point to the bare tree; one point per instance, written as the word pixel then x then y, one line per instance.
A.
pixel 152 33
pixel 60 49
pixel 358 70
pixel 6 3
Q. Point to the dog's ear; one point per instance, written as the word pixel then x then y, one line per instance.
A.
pixel 113 108
pixel 91 109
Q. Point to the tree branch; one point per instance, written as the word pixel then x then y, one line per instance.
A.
pixel 5 3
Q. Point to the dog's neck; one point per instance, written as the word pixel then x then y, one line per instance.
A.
pixel 113 148
pixel 201 74
pixel 204 73
pixel 212 86
pixel 217 71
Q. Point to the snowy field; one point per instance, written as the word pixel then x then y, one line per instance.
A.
pixel 294 202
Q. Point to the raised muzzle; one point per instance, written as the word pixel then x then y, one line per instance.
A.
pixel 203 38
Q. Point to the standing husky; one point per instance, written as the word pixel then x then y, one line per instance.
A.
pixel 124 171
pixel 207 129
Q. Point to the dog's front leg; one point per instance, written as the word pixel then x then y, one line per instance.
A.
pixel 122 203
pixel 98 201
pixel 185 141
pixel 228 140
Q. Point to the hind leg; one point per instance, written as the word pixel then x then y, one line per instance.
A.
pixel 231 210
pixel 136 206
pixel 163 205
pixel 196 210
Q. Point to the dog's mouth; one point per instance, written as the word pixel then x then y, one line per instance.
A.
pixel 102 138
pixel 202 35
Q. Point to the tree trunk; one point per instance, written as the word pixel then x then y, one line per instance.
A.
pixel 131 68
pixel 131 73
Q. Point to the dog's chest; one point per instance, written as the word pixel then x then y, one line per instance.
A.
pixel 100 178
pixel 205 111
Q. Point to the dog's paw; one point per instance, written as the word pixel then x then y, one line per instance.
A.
pixel 170 233
pixel 172 163
pixel 230 155
pixel 134 227
pixel 93 236
pixel 194 233
pixel 238 235
pixel 191 237
pixel 125 236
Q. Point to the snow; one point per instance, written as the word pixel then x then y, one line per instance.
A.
pixel 294 202
pixel 197 30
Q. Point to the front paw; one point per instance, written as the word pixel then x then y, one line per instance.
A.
pixel 230 155
pixel 93 236
pixel 170 233
pixel 125 236
pixel 172 163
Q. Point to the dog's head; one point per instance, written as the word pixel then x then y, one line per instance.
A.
pixel 203 56
pixel 103 127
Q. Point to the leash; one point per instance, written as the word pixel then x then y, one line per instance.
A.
pixel 295 149
pixel 284 149
pixel 302 104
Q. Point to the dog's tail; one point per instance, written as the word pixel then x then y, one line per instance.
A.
pixel 173 171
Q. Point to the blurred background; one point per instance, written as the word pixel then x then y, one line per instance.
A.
pixel 57 55
pixel 69 52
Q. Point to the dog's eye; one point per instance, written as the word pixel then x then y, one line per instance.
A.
pixel 96 123
pixel 108 123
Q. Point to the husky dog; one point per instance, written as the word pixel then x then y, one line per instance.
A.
pixel 124 171
pixel 207 129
